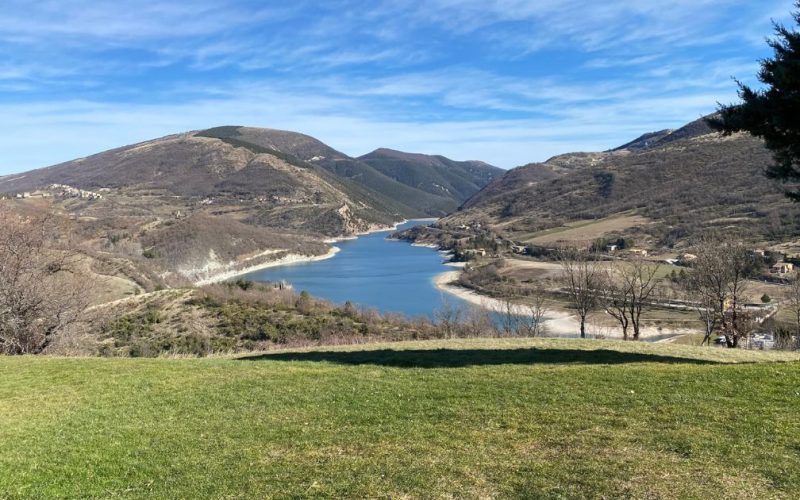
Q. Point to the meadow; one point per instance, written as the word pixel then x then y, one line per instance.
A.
pixel 461 418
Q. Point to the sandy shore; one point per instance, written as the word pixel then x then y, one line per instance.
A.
pixel 557 323
pixel 286 259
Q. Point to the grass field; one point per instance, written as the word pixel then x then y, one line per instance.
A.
pixel 694 339
pixel 582 231
pixel 482 418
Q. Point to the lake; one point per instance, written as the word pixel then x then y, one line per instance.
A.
pixel 388 275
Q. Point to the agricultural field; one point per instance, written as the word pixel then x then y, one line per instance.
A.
pixel 461 418
pixel 583 231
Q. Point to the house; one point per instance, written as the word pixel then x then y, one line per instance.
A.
pixel 519 249
pixel 781 268
pixel 612 248
pixel 475 252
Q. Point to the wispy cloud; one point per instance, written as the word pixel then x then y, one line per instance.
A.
pixel 507 81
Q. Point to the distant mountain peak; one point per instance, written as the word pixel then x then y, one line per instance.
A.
pixel 645 141
pixel 697 128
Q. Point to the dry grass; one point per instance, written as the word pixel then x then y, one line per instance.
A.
pixel 585 231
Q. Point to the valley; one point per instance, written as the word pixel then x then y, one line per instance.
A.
pixel 192 207
pixel 199 208
pixel 377 249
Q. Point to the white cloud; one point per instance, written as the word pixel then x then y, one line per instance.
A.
pixel 352 124
pixel 456 77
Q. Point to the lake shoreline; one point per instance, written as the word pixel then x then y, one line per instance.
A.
pixel 288 259
pixel 293 258
pixel 557 323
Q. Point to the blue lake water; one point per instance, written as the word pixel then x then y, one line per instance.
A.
pixel 388 275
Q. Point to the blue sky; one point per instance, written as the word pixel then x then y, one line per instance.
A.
pixel 504 81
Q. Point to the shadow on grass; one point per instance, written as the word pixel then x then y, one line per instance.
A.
pixel 456 358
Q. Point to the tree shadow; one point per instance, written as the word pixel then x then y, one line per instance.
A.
pixel 458 358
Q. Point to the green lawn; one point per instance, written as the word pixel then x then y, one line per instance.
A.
pixel 694 339
pixel 483 418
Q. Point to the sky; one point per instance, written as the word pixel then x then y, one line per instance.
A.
pixel 505 81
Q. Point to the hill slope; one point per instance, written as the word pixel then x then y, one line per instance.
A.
pixel 408 186
pixel 436 175
pixel 494 418
pixel 680 182
pixel 192 206
pixel 200 203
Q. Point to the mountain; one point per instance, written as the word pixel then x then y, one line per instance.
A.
pixel 193 205
pixel 653 140
pixel 201 170
pixel 660 190
pixel 441 177
pixel 188 207
pixel 645 141
pixel 416 185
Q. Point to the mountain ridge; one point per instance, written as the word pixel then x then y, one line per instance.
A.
pixel 189 205
pixel 661 189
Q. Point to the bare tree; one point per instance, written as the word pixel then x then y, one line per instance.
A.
pixel 616 298
pixel 719 280
pixel 706 308
pixel 43 288
pixel 584 283
pixel 531 322
pixel 639 280
pixel 509 319
pixel 478 321
pixel 448 317
pixel 793 301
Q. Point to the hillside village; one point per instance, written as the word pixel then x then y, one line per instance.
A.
pixel 55 191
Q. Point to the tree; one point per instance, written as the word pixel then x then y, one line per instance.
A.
pixel 43 287
pixel 448 317
pixel 583 280
pixel 706 305
pixel 628 289
pixel 793 301
pixel 719 280
pixel 773 113
pixel 639 279
pixel 509 317
pixel 304 303
pixel 616 298
pixel 531 322
pixel 478 321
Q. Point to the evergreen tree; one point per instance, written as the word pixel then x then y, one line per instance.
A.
pixel 773 113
